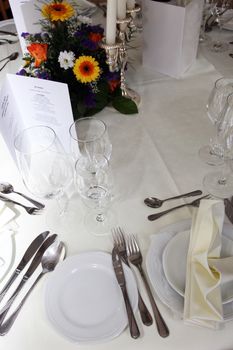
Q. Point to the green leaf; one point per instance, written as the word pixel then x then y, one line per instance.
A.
pixel 124 105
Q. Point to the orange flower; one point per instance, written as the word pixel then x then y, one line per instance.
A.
pixel 95 37
pixel 39 52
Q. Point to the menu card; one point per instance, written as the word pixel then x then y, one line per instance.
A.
pixel 26 102
pixel 26 17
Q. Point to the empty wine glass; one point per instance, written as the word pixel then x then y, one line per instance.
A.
pixel 220 183
pixel 94 183
pixel 223 87
pixel 89 136
pixel 44 166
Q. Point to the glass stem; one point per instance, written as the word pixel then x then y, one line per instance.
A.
pixel 223 177
pixel 62 202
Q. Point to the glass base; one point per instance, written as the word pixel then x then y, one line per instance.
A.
pixel 217 188
pixel 100 225
pixel 209 157
pixel 218 46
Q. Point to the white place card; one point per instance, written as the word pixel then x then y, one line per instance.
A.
pixel 26 102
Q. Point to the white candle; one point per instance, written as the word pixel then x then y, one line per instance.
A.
pixel 111 22
pixel 121 9
pixel 130 4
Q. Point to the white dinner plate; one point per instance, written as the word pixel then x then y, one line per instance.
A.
pixel 8 25
pixel 83 300
pixel 175 258
pixel 156 274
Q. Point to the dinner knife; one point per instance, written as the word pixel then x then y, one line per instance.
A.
pixel 34 264
pixel 35 244
pixel 119 272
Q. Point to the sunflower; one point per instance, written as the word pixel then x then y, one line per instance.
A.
pixel 86 69
pixel 55 11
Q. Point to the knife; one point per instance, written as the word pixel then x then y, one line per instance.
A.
pixel 229 209
pixel 23 262
pixel 119 272
pixel 34 264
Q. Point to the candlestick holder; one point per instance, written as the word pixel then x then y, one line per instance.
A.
pixel 132 15
pixel 111 53
pixel 122 26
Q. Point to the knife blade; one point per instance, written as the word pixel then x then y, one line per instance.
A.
pixel 30 251
pixel 34 264
pixel 119 272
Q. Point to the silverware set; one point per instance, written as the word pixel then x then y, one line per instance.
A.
pixel 7 188
pixel 154 202
pixel 126 249
pixel 45 250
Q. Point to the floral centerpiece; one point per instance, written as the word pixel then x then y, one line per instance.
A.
pixel 67 50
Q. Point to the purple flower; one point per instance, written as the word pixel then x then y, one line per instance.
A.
pixel 24 35
pixel 42 74
pixel 89 100
pixel 22 72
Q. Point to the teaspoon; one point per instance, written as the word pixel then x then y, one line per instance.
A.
pixel 12 57
pixel 154 202
pixel 52 256
pixel 7 188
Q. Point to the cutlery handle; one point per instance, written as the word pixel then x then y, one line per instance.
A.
pixel 37 204
pixel 147 320
pixel 10 301
pixel 185 195
pixel 8 200
pixel 160 323
pixel 153 217
pixel 134 331
pixel 6 326
pixel 8 284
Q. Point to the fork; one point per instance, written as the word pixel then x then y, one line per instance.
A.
pixel 29 210
pixel 135 257
pixel 194 203
pixel 120 244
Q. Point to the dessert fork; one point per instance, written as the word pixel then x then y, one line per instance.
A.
pixel 120 244
pixel 135 257
pixel 29 210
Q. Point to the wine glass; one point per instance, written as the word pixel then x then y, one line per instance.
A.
pixel 215 105
pixel 207 9
pixel 220 183
pixel 89 136
pixel 44 166
pixel 94 181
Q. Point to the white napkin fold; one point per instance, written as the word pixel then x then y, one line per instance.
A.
pixel 205 271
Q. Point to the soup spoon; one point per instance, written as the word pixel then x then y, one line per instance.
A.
pixel 52 256
pixel 6 188
pixel 154 202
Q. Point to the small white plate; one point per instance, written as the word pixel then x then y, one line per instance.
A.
pixel 84 301
pixel 174 263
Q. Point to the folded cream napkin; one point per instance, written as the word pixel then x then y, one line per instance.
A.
pixel 205 270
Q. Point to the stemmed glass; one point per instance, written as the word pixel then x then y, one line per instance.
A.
pixel 89 136
pixel 45 168
pixel 220 183
pixel 94 181
pixel 223 87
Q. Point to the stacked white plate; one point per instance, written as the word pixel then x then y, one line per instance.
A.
pixel 83 300
pixel 166 266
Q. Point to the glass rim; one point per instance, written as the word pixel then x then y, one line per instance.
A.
pixel 91 140
pixel 34 127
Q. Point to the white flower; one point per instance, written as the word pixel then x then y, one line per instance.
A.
pixel 66 59
pixel 85 19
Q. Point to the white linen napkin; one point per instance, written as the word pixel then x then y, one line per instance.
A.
pixel 205 270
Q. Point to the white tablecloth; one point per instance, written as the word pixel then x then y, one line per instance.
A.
pixel 154 153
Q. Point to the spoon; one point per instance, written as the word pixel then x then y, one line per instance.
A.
pixel 52 256
pixel 154 202
pixel 12 57
pixel 7 188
